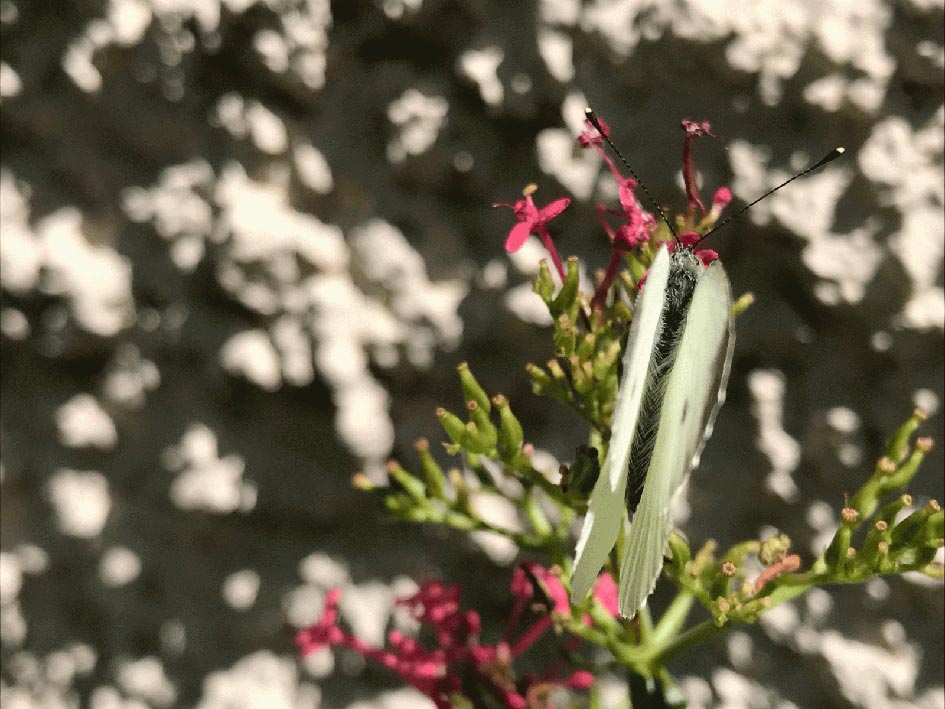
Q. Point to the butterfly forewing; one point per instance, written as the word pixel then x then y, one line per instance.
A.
pixel 605 511
pixel 694 391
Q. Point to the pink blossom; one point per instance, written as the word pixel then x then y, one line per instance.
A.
pixel 590 135
pixel 605 591
pixel 460 662
pixel 720 200
pixel 692 129
pixel 688 240
pixel 532 220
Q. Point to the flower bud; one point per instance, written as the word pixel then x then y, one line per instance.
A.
pixel 566 296
pixel 544 284
pixel 453 425
pixel 586 345
pixel 361 482
pixel 411 485
pixel 433 475
pixel 744 302
pixel 486 435
pixel 564 337
pixel 541 382
pixel 582 375
pixel 885 466
pixel 554 367
pixel 898 446
pixel 774 549
pixel 622 312
pixel 511 436
pixel 904 474
pixel 471 389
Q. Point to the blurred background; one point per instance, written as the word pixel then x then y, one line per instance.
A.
pixel 246 242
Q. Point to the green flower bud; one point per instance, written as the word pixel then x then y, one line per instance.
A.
pixel 903 475
pixel 898 446
pixel 536 516
pixel 935 528
pixel 487 435
pixel 544 284
pixel 411 485
pixel 622 312
pixel 888 512
pixel 742 304
pixel 471 389
pixel 557 373
pixel 681 555
pixel 474 442
pixel 565 298
pixel 397 503
pixel 453 425
pixel 774 549
pixel 564 337
pixel 542 384
pixel 511 436
pixel 912 531
pixel 432 474
pixel 582 375
pixel 586 345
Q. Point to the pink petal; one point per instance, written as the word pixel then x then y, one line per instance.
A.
pixel 721 198
pixel 517 236
pixel 689 238
pixel 707 256
pixel 606 593
pixel 581 679
pixel 552 210
pixel 694 128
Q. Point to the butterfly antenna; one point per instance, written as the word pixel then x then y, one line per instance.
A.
pixel 832 155
pixel 592 117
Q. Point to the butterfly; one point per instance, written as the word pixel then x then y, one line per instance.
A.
pixel 675 368
pixel 676 364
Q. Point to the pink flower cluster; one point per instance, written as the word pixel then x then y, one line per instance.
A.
pixel 460 664
pixel 637 225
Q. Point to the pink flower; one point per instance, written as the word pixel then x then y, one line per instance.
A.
pixel 720 200
pixel 688 240
pixel 460 663
pixel 591 136
pixel 532 220
pixel 605 591
pixel 635 231
pixel 693 129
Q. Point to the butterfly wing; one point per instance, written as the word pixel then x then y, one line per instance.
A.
pixel 605 511
pixel 694 391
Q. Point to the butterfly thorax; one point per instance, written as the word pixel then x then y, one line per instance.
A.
pixel 684 271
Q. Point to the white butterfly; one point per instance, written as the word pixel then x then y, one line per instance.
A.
pixel 675 368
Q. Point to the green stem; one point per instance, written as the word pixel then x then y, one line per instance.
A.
pixel 694 636
pixel 673 619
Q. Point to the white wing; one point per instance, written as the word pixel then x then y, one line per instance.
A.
pixel 605 511
pixel 694 391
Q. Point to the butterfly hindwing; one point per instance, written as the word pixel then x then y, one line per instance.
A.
pixel 694 391
pixel 605 512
